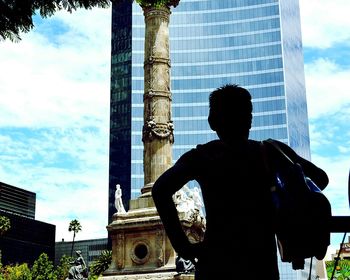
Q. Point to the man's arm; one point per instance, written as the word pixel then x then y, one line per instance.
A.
pixel 163 189
pixel 315 173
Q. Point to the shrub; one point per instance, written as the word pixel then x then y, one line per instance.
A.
pixel 43 269
pixel 101 263
pixel 17 272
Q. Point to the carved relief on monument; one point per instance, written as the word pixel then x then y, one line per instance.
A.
pixel 152 130
pixel 159 247
pixel 161 77
pixel 157 75
pixel 121 250
pixel 157 41
pixel 160 109
pixel 140 251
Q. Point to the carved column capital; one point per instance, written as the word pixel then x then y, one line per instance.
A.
pixel 152 130
pixel 159 13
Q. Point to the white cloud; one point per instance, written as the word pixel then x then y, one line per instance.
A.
pixel 325 22
pixel 317 136
pixel 40 78
pixel 336 191
pixel 87 204
pixel 69 173
pixel 326 87
pixel 54 120
pixel 344 149
pixel 326 25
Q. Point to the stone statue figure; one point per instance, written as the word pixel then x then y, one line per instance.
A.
pixel 79 270
pixel 182 201
pixel 184 266
pixel 118 203
pixel 189 204
pixel 197 199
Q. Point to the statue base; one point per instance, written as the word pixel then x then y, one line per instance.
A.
pixel 140 247
pixel 150 276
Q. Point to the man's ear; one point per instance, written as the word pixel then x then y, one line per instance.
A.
pixel 212 122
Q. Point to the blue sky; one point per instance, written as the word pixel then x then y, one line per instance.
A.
pixel 54 100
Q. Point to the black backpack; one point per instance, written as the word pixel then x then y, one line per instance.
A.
pixel 302 214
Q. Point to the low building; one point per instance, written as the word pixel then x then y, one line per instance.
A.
pixel 90 249
pixel 27 238
pixel 17 201
pixel 344 253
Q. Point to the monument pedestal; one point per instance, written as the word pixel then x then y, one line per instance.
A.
pixel 140 246
pixel 151 276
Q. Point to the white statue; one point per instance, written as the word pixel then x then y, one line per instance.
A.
pixel 188 202
pixel 189 206
pixel 197 198
pixel 118 203
pixel 182 201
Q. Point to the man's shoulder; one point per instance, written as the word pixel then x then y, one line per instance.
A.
pixel 201 152
pixel 209 145
pixel 280 144
pixel 220 146
pixel 272 140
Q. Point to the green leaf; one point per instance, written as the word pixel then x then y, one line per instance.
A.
pixel 101 263
pixel 5 224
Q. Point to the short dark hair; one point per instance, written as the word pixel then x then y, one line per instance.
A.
pixel 232 103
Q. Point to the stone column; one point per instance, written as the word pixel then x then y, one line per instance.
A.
pixel 157 134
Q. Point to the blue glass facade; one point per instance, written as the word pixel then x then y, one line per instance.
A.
pixel 120 104
pixel 217 42
pixel 253 43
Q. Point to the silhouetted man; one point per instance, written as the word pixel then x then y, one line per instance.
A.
pixel 239 241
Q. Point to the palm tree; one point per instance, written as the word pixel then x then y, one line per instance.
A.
pixel 101 263
pixel 74 226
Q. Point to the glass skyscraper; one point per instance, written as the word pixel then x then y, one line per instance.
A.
pixel 253 43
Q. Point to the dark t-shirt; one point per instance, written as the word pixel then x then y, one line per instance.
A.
pixel 236 185
pixel 239 238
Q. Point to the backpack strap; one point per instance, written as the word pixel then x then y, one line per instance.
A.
pixel 268 170
pixel 278 148
pixel 264 156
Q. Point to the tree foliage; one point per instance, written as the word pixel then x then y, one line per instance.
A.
pixel 16 16
pixel 63 268
pixel 342 270
pixel 157 3
pixel 43 269
pixel 101 263
pixel 74 226
pixel 5 225
pixel 16 272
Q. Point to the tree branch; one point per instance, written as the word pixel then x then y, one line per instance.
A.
pixel 16 16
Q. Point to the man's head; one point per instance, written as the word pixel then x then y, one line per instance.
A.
pixel 230 112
